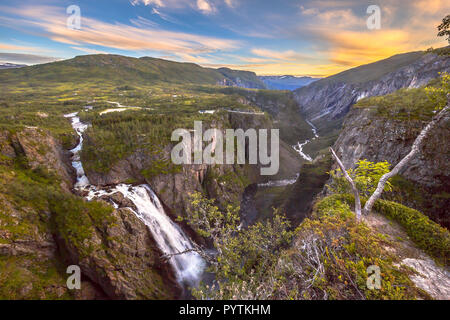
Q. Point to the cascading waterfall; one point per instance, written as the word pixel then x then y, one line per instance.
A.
pixel 82 180
pixel 169 237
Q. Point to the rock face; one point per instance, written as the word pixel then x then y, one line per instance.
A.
pixel 366 136
pixel 124 261
pixel 330 98
pixel 243 79
pixel 225 183
pixel 42 150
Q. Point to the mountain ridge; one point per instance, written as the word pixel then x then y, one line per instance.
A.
pixel 120 69
pixel 328 100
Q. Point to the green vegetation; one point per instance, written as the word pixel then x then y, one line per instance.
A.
pixel 326 257
pixel 411 104
pixel 31 278
pixel 311 181
pixel 366 176
pixel 120 70
pixel 242 255
pixel 337 251
pixel 75 220
pixel 426 234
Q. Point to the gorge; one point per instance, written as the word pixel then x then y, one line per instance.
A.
pixel 170 238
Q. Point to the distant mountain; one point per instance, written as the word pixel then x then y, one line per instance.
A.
pixel 8 65
pixel 243 79
pixel 328 100
pixel 123 70
pixel 286 82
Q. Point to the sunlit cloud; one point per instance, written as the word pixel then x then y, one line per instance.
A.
pixel 118 35
pixel 289 55
pixel 205 7
pixel 89 50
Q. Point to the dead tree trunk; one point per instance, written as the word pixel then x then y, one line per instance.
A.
pixel 352 184
pixel 414 150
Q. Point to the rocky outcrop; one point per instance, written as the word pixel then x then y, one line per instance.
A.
pixel 330 98
pixel 243 79
pixel 368 136
pixel 123 259
pixel 42 150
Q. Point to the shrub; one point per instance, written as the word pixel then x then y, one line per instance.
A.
pixel 428 235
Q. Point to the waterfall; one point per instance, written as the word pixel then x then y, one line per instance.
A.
pixel 82 180
pixel 169 237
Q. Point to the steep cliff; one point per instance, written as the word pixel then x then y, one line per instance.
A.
pixel 371 133
pixel 328 100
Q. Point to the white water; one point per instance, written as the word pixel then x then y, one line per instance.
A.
pixel 300 145
pixel 278 183
pixel 82 180
pixel 169 237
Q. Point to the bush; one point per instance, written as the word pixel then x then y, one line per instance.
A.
pixel 428 235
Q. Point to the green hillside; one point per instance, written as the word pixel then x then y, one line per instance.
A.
pixel 122 70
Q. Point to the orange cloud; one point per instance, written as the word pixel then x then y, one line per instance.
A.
pixel 118 36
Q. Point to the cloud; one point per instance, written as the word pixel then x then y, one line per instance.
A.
pixel 52 22
pixel 89 50
pixel 205 7
pixel 158 3
pixel 288 55
pixel 231 3
pixel 23 58
pixel 4 46
pixel 341 36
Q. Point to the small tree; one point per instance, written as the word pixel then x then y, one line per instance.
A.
pixel 366 176
pixel 444 28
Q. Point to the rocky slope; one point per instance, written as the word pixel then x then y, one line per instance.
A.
pixel 329 99
pixel 424 183
pixel 243 79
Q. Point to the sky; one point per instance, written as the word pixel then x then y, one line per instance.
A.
pixel 274 37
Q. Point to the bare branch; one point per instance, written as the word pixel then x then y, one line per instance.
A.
pixel 352 184
pixel 414 150
pixel 197 249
